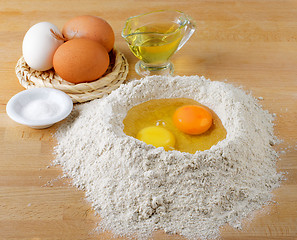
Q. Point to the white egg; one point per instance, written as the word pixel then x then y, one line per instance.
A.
pixel 39 46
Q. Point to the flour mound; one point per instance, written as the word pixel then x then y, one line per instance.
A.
pixel 137 188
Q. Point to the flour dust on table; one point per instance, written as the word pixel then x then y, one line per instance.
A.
pixel 137 188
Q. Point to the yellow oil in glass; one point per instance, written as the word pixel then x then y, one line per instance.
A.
pixel 159 112
pixel 155 43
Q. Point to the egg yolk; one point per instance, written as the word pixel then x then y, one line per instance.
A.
pixel 192 119
pixel 157 136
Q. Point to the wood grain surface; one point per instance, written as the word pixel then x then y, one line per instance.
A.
pixel 252 44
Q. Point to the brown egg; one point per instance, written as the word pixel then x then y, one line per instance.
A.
pixel 80 60
pixel 91 27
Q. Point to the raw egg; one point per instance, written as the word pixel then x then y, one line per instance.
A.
pixel 40 44
pixel 90 27
pixel 157 136
pixel 81 60
pixel 192 119
pixel 152 121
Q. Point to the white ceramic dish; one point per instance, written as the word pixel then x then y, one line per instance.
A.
pixel 39 107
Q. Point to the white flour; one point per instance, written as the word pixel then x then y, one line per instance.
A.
pixel 137 188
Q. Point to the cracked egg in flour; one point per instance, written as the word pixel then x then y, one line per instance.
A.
pixel 176 124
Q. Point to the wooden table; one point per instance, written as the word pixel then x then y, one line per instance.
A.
pixel 250 43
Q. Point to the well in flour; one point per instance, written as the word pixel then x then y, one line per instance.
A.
pixel 137 188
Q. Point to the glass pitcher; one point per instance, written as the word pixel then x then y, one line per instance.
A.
pixel 154 37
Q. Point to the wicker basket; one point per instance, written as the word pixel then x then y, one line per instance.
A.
pixel 81 92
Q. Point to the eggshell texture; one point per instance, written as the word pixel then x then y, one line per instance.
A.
pixel 81 60
pixel 90 27
pixel 39 46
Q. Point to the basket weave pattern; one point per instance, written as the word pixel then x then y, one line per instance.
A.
pixel 81 92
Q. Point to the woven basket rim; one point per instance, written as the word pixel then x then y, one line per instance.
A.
pixel 81 92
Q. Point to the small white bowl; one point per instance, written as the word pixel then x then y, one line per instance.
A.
pixel 39 107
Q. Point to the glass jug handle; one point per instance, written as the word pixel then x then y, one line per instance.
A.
pixel 190 28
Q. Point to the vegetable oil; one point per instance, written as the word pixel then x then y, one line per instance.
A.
pixel 155 43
